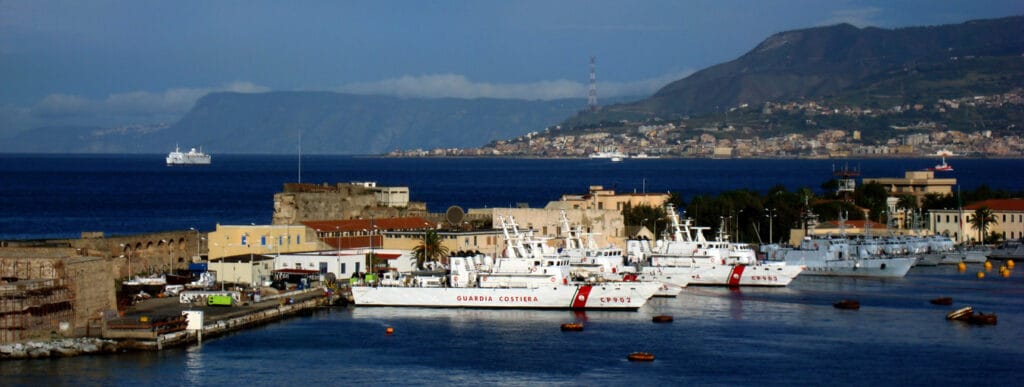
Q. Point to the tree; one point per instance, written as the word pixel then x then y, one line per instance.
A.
pixel 429 249
pixel 982 218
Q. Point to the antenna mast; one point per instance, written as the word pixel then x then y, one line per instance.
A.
pixel 592 91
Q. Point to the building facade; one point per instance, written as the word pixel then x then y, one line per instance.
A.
pixel 958 224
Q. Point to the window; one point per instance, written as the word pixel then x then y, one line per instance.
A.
pixel 342 268
pixel 323 267
pixel 263 240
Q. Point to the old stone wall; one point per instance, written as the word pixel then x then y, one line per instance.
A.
pixel 43 287
pixel 93 283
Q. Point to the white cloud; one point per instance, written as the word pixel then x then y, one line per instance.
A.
pixel 135 103
pixel 458 86
pixel 860 17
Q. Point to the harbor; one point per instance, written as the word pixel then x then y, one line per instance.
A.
pixel 796 323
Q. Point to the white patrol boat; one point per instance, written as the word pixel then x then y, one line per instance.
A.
pixel 525 278
pixel 689 257
pixel 838 256
pixel 193 157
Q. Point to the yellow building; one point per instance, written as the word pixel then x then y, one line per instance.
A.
pixel 606 199
pixel 607 226
pixel 955 223
pixel 232 240
pixel 915 183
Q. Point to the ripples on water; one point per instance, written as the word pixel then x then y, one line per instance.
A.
pixel 769 336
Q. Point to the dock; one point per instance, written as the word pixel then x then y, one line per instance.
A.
pixel 160 323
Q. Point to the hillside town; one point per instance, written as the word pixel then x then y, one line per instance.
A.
pixel 682 139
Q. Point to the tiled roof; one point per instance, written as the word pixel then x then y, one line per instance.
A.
pixel 998 205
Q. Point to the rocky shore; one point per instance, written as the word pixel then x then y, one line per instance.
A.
pixel 58 348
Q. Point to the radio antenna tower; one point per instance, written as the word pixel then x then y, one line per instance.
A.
pixel 592 91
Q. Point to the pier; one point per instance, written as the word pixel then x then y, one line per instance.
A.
pixel 162 323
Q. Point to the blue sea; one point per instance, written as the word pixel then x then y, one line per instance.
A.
pixel 749 336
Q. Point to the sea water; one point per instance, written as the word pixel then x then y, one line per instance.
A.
pixel 720 336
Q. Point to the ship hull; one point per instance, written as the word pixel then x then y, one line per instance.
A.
pixel 619 296
pixel 723 275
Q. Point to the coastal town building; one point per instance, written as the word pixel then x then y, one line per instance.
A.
pixel 606 226
pixel 237 240
pixel 345 263
pixel 958 224
pixel 601 198
pixel 914 183
pixel 249 270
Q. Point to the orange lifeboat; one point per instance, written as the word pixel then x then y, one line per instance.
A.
pixel 572 327
pixel 640 356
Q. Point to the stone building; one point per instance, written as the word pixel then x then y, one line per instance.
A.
pixel 304 202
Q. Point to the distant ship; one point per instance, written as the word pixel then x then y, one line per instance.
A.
pixel 943 167
pixel 614 156
pixel 193 157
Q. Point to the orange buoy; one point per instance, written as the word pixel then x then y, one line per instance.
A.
pixel 572 327
pixel 389 331
pixel 961 267
pixel 1009 263
pixel 662 319
pixel 640 356
pixel 981 274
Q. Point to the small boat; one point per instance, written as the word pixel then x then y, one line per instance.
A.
pixel 847 304
pixel 982 319
pixel 967 315
pixel 942 301
pixel 662 319
pixel 943 167
pixel 572 327
pixel 960 314
pixel 640 356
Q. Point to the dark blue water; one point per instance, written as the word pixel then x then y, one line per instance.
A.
pixel 787 336
pixel 45 196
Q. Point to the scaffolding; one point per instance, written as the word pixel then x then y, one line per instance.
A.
pixel 32 307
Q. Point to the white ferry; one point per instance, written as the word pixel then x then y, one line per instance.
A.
pixel 193 157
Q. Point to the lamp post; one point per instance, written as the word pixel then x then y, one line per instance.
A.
pixel 167 246
pixel 738 225
pixel 770 213
pixel 337 230
pixel 128 249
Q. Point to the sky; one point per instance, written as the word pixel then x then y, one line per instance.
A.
pixel 112 62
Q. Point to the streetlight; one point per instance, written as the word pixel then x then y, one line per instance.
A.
pixel 198 239
pixel 168 247
pixel 337 229
pixel 128 249
pixel 770 214
pixel 738 224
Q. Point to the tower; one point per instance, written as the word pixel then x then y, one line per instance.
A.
pixel 592 90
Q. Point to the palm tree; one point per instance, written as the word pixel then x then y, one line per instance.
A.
pixel 429 249
pixel 982 218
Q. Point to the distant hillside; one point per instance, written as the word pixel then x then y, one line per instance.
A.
pixel 334 123
pixel 836 61
pixel 331 123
